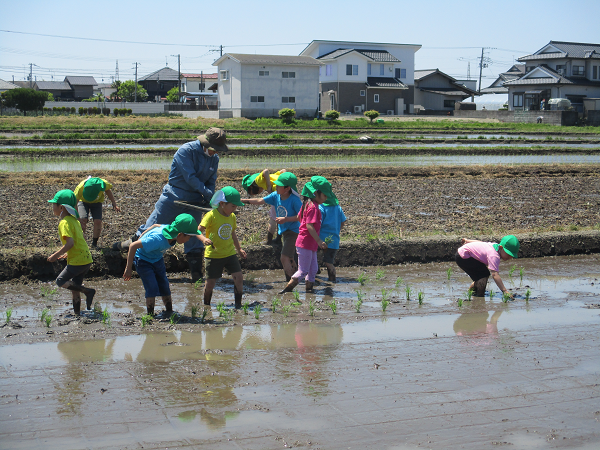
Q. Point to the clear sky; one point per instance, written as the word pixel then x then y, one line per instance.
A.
pixel 67 37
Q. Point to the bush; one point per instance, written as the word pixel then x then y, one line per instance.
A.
pixel 81 111
pixel 72 110
pixel 130 111
pixel 372 115
pixel 332 114
pixel 287 114
pixel 116 111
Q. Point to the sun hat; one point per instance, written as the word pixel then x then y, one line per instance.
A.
pixel 214 139
pixel 226 194
pixel 510 244
pixel 318 183
pixel 92 188
pixel 248 180
pixel 66 198
pixel 183 223
pixel 287 179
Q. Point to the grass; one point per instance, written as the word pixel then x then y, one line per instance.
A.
pixel 146 319
pixel 254 238
pixel 380 274
pixel 275 303
pixel 333 306
pixel 311 308
pixel 420 297
pixel 245 307
pixel 9 312
pixel 362 279
pixel 257 312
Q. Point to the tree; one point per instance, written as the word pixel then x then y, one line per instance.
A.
pixel 173 95
pixel 24 99
pixel 127 92
pixel 372 114
pixel 114 96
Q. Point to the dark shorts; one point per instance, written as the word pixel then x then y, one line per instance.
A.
pixel 73 273
pixel 329 255
pixel 475 269
pixel 154 277
pixel 288 241
pixel 214 266
pixel 84 210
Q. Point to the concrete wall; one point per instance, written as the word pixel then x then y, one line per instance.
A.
pixel 593 118
pixel 560 118
pixel 136 108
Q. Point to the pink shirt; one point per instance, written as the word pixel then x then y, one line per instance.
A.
pixel 483 252
pixel 311 214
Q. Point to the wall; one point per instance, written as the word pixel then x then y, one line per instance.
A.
pixel 560 118
pixel 136 108
pixel 593 118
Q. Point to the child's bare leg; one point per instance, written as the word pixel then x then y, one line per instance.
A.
pixel 168 303
pixel 288 266
pixel 96 232
pixel 89 293
pixel 480 286
pixel 331 272
pixel 209 285
pixel 238 288
pixel 76 302
pixel 150 301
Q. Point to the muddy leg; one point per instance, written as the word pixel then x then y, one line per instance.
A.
pixel 309 286
pixel 150 305
pixel 331 272
pixel 288 268
pixel 96 232
pixel 76 303
pixel 208 290
pixel 290 286
pixel 168 304
pixel 269 240
pixel 89 293
pixel 480 286
pixel 238 289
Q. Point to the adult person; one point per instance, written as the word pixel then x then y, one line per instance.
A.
pixel 192 179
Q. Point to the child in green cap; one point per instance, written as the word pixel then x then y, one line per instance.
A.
pixel 480 259
pixel 256 183
pixel 74 249
pixel 147 254
pixel 221 243
pixel 90 194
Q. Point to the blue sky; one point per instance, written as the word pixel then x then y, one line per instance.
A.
pixel 451 32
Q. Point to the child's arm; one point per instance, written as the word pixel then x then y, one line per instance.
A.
pixel 205 240
pixel 236 244
pixel 267 177
pixel 130 255
pixel 468 241
pixel 111 197
pixel 311 229
pixel 149 228
pixel 499 283
pixel 286 219
pixel 61 253
pixel 253 201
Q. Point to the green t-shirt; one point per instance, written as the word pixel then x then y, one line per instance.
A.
pixel 100 199
pixel 219 229
pixel 79 254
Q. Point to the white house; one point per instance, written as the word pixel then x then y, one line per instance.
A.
pixel 360 76
pixel 261 85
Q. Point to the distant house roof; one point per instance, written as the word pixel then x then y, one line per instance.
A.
pixel 383 82
pixel 6 85
pixel 457 87
pixel 53 86
pixel 560 49
pixel 373 55
pixel 81 81
pixel 446 91
pixel 550 77
pixel 207 76
pixel 164 74
pixel 269 59
pixel 497 87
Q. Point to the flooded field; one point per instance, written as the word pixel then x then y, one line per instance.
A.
pixel 523 373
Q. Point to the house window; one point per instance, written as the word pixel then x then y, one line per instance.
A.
pixel 263 73
pixel 595 72
pixel 288 74
pixel 328 70
pixel 578 70
pixel 257 99
pixel 381 68
pixel 288 99
pixel 561 68
pixel 376 98
pixel 518 100
pixel 449 103
pixel 369 69
pixel 362 93
pixel 224 75
pixel 351 69
pixel 528 69
pixel 400 73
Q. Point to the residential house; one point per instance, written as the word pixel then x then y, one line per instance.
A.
pixel 568 70
pixel 435 90
pixel 82 87
pixel 199 82
pixel 497 87
pixel 359 76
pixel 104 89
pixel 7 86
pixel 261 85
pixel 60 90
pixel 158 83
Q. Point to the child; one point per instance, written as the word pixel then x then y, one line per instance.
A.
pixel 90 193
pixel 74 248
pixel 315 192
pixel 331 226
pixel 287 203
pixel 254 185
pixel 478 259
pixel 221 243
pixel 147 255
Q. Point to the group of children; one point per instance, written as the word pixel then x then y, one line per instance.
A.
pixel 306 223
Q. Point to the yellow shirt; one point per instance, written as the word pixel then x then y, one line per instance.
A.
pixel 261 182
pixel 219 229
pixel 79 254
pixel 100 199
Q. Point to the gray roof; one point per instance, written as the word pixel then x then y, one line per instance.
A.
pixel 567 50
pixel 385 82
pixel 424 73
pixel 446 91
pixel 553 78
pixel 53 86
pixel 274 59
pixel 164 74
pixel 374 55
pixel 81 81
pixel 495 90
pixel 419 74
pixel 6 85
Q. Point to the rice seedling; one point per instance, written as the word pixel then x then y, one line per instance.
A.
pixel 204 314
pixel 286 310
pixel 296 296
pixel 379 274
pixel 257 312
pixel 48 320
pixel 311 308
pixel 329 239
pixel 399 281
pixel 384 300
pixel 505 297
pixel 408 292
pixel 146 319
pixel 360 295
pixel 492 293
pixel 295 304
pixel 333 305
pixel 174 318
pixel 9 312
pixel 106 316
pixel 44 313
pixel 358 304
pixel 198 283
pixel 420 297
pixel 511 271
pixel 527 294
pixel 521 273
pixel 449 273
pixel 275 303
pixel 460 302
pixel 245 307
pixel 469 295
pixel 195 310
pixel 362 279
pixel 48 292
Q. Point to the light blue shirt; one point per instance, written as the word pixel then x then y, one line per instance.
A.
pixel 332 219
pixel 154 245
pixel 285 208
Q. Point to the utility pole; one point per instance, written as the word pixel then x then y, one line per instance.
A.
pixel 178 77
pixel 30 75
pixel 117 71
pixel 480 69
pixel 136 66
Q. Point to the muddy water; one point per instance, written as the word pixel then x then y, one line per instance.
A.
pixel 519 374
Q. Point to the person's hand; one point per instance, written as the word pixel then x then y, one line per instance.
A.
pixel 463 241
pixel 207 242
pixel 280 220
pixel 62 256
pixel 323 245
pixel 52 257
pixel 242 253
pixel 116 208
pixel 127 274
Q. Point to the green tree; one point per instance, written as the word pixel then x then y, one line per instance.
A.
pixel 173 94
pixel 372 115
pixel 114 96
pixel 24 99
pixel 127 92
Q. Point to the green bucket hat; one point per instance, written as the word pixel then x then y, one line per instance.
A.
pixel 248 180
pixel 510 244
pixel 183 223
pixel 318 183
pixel 287 179
pixel 92 188
pixel 66 198
pixel 226 194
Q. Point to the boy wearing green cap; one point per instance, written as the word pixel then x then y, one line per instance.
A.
pixel 480 259
pixel 256 183
pixel 221 243
pixel 74 249
pixel 90 194
pixel 147 253
pixel 287 203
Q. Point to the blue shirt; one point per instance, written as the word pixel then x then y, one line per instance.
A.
pixel 333 217
pixel 285 208
pixel 154 245
pixel 193 170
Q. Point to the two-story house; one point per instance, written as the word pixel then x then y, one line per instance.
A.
pixel 360 76
pixel 158 83
pixel 260 85
pixel 568 70
pixel 435 90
